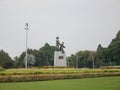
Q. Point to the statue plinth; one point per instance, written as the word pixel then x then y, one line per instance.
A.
pixel 59 58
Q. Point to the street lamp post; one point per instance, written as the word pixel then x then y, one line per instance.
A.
pixel 93 64
pixel 77 60
pixel 26 28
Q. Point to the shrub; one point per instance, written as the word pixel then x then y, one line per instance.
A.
pixel 43 77
pixel 1 69
pixel 110 67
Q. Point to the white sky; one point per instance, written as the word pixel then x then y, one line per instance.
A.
pixel 81 24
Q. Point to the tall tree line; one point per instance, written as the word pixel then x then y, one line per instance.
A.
pixel 103 56
pixel 43 57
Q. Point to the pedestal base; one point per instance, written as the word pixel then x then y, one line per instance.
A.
pixel 59 58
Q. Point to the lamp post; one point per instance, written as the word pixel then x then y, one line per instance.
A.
pixel 77 60
pixel 93 64
pixel 77 57
pixel 26 28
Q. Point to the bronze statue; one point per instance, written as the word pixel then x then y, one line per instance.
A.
pixel 59 46
pixel 57 43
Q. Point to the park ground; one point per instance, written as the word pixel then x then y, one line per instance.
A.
pixel 101 83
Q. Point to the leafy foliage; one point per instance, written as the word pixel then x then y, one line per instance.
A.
pixel 114 49
pixel 102 57
pixel 48 51
pixel 43 57
pixel 30 60
pixel 82 59
pixel 5 60
pixel 111 54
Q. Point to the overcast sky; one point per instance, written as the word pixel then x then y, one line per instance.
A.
pixel 81 24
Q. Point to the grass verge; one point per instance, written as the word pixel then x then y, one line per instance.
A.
pixel 103 83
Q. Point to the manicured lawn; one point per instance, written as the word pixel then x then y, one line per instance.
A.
pixel 102 83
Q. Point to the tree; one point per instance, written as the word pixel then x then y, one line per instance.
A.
pixel 85 59
pixel 71 61
pixel 43 57
pixel 82 59
pixel 40 58
pixel 5 60
pixel 15 62
pixel 30 60
pixel 114 49
pixel 48 52
pixel 103 57
pixel 99 47
pixel 20 62
pixel 111 54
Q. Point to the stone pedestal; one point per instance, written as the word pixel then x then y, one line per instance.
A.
pixel 59 58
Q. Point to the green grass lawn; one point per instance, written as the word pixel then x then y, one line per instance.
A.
pixel 102 83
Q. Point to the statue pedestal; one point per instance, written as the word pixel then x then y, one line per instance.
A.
pixel 59 58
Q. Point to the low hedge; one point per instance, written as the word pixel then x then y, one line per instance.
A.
pixel 54 71
pixel 1 69
pixel 49 67
pixel 110 67
pixel 43 77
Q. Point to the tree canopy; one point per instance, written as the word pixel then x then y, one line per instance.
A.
pixel 111 54
pixel 82 59
pixel 43 57
pixel 5 60
pixel 114 50
pixel 103 56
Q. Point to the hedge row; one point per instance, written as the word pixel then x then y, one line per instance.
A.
pixel 43 77
pixel 54 71
pixel 1 69
pixel 110 67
